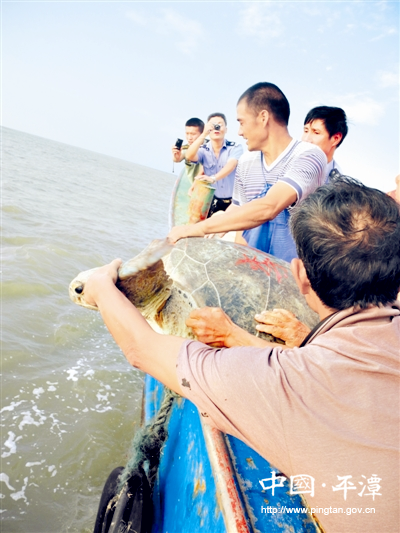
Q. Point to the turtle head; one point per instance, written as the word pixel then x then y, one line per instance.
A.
pixel 143 280
pixel 77 289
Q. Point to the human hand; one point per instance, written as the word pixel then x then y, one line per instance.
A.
pixel 209 127
pixel 176 154
pixel 211 325
pixel 199 177
pixel 282 324
pixel 97 280
pixel 180 232
pixel 203 177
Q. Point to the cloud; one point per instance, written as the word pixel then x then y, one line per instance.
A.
pixel 312 10
pixel 385 33
pixel 361 109
pixel 260 20
pixel 374 19
pixel 136 17
pixel 187 33
pixel 388 78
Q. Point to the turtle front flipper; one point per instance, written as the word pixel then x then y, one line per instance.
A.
pixel 147 257
pixel 147 289
pixel 144 281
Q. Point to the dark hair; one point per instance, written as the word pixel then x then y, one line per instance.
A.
pixel 196 123
pixel 348 237
pixel 334 118
pixel 268 96
pixel 217 115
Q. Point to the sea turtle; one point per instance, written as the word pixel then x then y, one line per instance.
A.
pixel 166 282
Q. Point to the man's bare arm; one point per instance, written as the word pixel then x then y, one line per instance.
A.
pixel 225 170
pixel 250 215
pixel 191 153
pixel 145 349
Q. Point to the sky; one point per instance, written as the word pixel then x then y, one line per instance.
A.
pixel 122 78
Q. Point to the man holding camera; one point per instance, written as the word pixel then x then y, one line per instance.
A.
pixel 219 158
pixel 194 127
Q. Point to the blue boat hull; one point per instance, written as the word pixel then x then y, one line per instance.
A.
pixel 209 481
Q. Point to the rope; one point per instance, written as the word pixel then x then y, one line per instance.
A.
pixel 146 446
pixel 148 442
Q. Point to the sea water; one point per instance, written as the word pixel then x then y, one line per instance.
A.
pixel 70 403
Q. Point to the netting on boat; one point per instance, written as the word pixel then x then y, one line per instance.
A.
pixel 126 501
pixel 148 442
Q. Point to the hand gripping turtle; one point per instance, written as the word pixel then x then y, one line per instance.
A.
pixel 166 283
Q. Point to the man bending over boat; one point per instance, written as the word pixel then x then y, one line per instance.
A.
pixel 219 158
pixel 277 173
pixel 326 127
pixel 328 409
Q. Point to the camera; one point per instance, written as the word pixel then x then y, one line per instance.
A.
pixel 178 144
pixel 217 127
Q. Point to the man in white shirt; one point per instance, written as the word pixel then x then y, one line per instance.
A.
pixel 326 127
pixel 277 173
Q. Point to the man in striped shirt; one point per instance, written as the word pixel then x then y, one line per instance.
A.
pixel 326 127
pixel 276 174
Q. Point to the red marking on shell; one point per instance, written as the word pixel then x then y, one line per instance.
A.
pixel 265 265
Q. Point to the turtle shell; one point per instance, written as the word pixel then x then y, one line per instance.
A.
pixel 167 282
pixel 241 280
